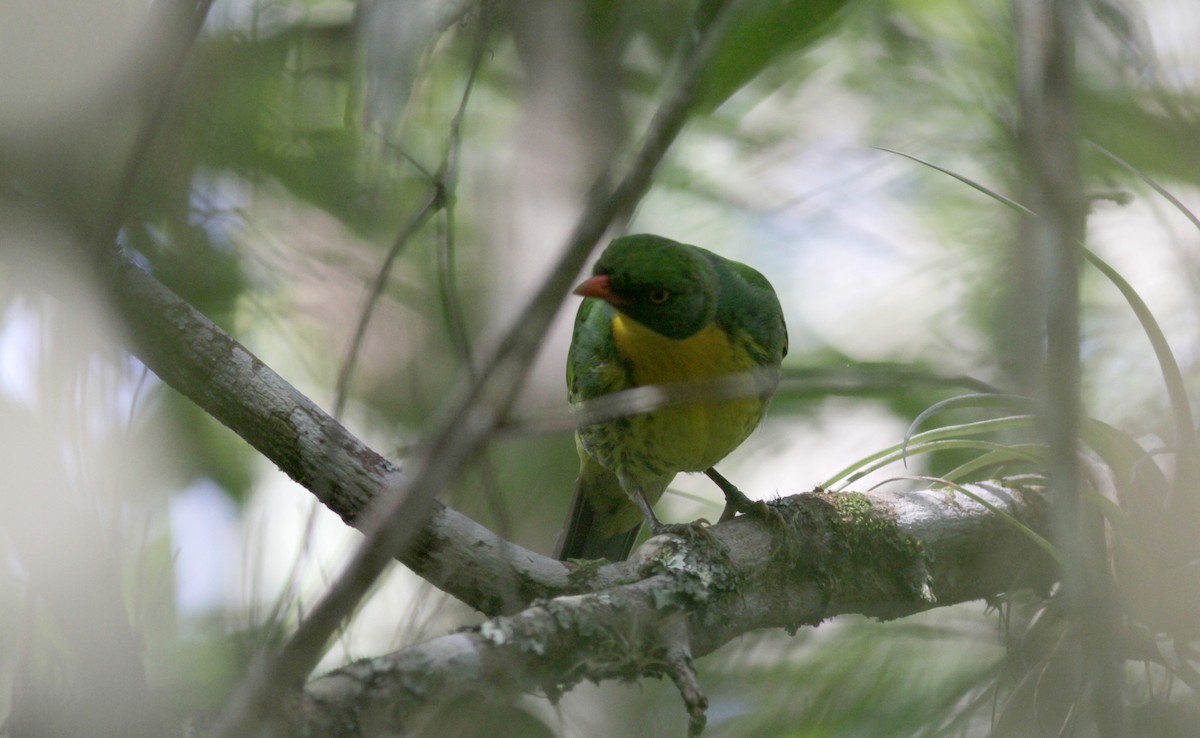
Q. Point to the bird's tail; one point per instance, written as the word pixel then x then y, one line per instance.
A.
pixel 603 523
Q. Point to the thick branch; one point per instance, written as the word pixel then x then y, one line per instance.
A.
pixel 883 555
pixel 197 358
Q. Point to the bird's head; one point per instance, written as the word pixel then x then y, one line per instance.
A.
pixel 667 286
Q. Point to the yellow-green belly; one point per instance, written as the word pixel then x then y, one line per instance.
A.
pixel 684 437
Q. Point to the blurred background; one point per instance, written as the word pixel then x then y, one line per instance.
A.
pixel 305 148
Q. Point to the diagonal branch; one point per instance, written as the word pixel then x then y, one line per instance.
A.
pixel 466 428
pixel 193 355
pixel 472 418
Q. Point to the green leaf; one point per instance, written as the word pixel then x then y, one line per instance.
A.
pixel 761 34
pixel 952 436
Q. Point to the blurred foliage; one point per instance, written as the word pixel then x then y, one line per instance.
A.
pixel 303 137
pixel 761 35
pixel 848 685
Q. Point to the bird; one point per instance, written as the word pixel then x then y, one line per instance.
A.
pixel 660 312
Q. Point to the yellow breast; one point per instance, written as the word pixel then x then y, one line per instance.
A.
pixel 695 435
pixel 657 359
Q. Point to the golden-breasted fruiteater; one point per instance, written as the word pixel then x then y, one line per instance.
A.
pixel 660 312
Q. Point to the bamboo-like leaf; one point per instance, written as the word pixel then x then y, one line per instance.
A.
pixel 1004 454
pixel 1181 410
pixel 965 180
pixel 948 436
pixel 979 399
pixel 896 454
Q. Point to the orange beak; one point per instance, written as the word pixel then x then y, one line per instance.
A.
pixel 599 287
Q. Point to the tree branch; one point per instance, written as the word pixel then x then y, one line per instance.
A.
pixel 885 555
pixel 205 364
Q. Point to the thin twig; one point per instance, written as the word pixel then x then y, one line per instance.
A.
pixel 447 269
pixel 441 197
pixel 167 71
pixel 452 310
pixel 406 233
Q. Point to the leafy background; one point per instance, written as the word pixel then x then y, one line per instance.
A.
pixel 304 139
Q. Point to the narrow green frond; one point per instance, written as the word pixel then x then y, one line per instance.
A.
pixel 974 400
pixel 938 439
pixel 1004 454
pixel 1181 410
pixel 896 454
pixel 965 180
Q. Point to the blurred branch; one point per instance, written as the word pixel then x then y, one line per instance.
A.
pixel 794 383
pixel 169 36
pixel 763 382
pixel 912 551
pixel 1048 144
pixel 467 425
pixel 751 383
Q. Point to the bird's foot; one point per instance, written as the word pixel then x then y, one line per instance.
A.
pixel 693 532
pixel 747 506
pixel 736 502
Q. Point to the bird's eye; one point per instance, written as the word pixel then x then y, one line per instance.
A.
pixel 659 296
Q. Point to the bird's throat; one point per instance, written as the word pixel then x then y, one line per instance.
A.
pixel 656 359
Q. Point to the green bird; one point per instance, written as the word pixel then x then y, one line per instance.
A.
pixel 660 312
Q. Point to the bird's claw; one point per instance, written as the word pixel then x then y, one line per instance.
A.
pixel 737 502
pixel 697 530
pixel 746 506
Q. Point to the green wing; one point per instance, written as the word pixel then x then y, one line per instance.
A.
pixel 603 521
pixel 747 302
pixel 593 366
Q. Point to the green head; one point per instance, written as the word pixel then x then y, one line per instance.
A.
pixel 667 286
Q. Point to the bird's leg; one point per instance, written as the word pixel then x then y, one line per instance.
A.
pixel 735 500
pixel 647 510
pixel 689 531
